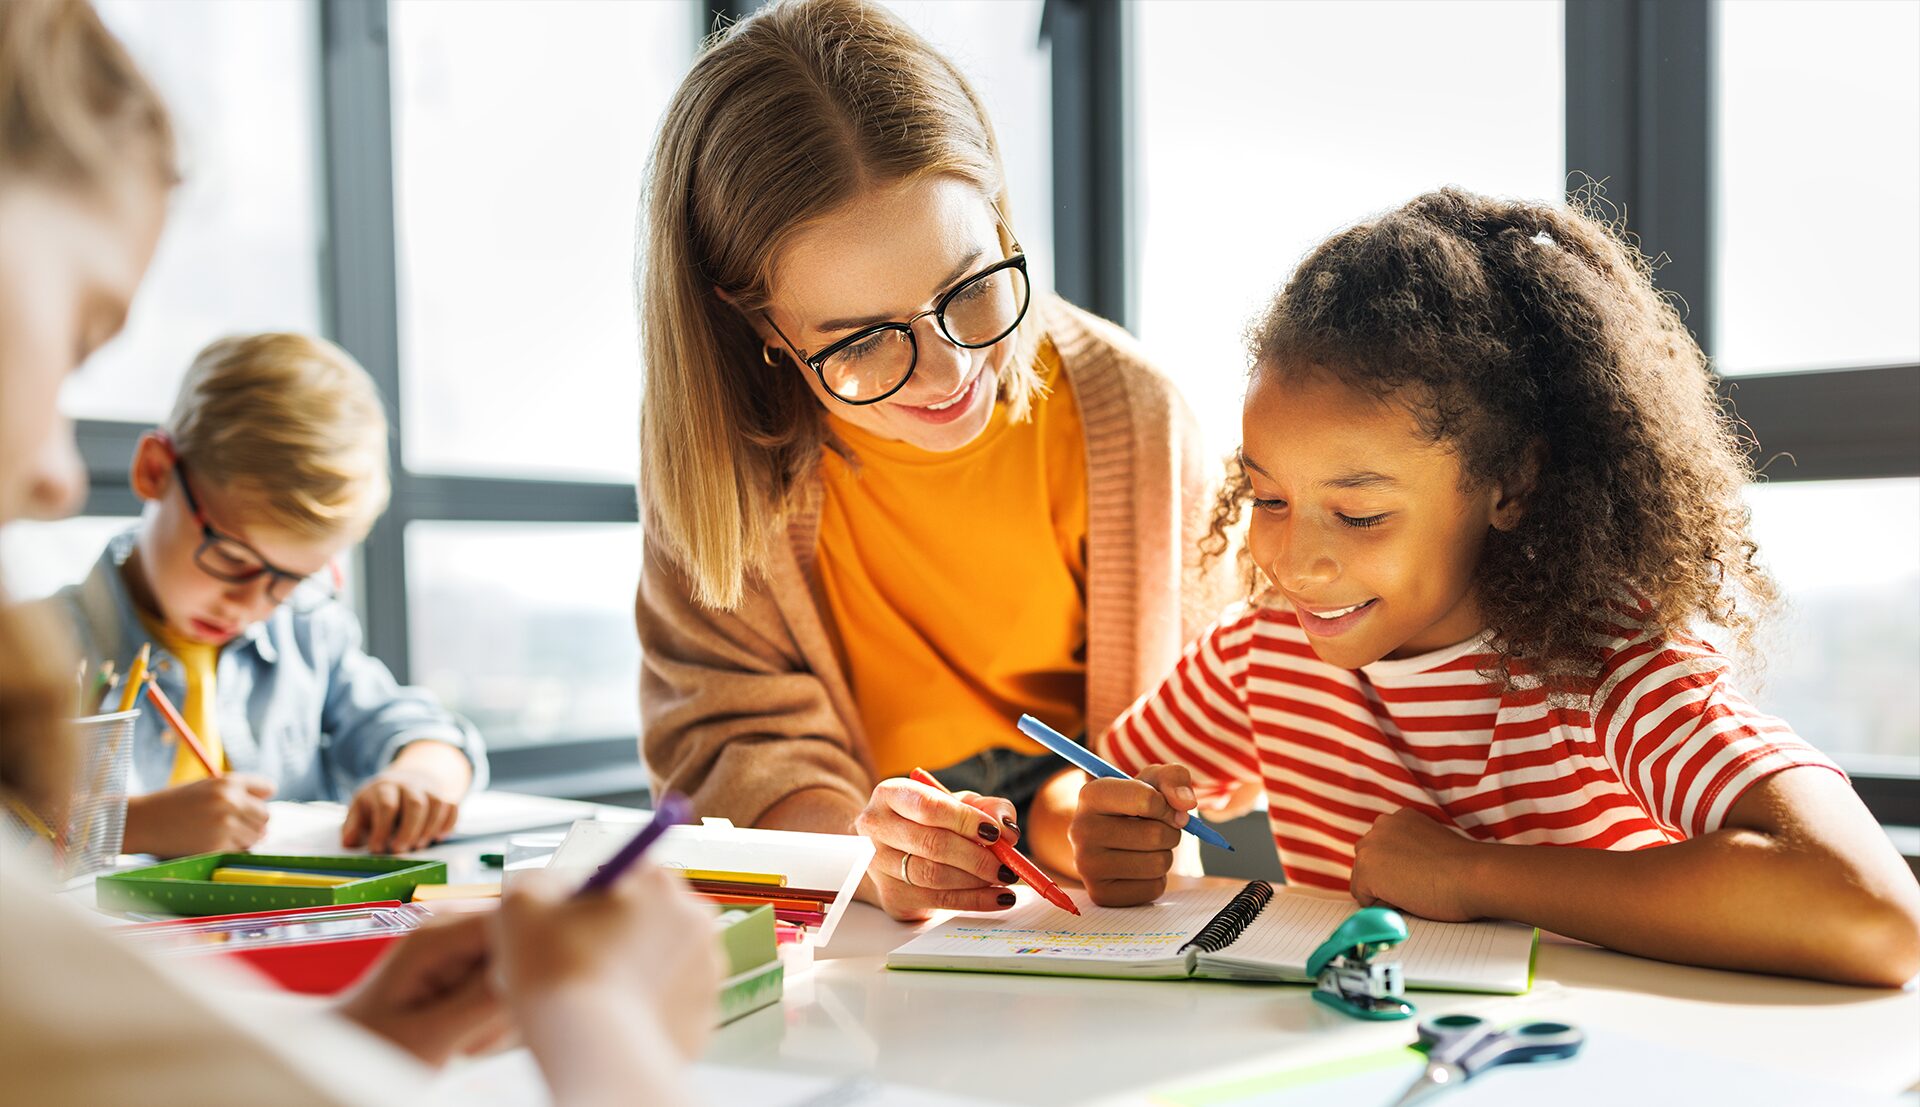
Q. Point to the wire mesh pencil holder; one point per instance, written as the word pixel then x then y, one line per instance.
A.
pixel 97 820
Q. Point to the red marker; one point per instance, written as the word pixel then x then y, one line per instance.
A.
pixel 1010 857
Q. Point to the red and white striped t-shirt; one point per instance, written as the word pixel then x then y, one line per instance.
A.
pixel 1657 752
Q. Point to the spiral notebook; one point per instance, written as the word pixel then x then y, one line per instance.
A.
pixel 1215 930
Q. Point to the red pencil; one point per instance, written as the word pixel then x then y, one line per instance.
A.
pixel 1011 858
pixel 165 707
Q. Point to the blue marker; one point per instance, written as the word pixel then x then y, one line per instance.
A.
pixel 1087 760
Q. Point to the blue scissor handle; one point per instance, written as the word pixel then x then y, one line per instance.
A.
pixel 1533 1041
pixel 1475 1046
pixel 1448 1037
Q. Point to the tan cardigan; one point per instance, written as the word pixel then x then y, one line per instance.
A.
pixel 741 709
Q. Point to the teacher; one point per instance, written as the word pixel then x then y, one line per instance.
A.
pixel 894 496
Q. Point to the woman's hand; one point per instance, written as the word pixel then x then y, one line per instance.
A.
pixel 930 849
pixel 430 996
pixel 1124 832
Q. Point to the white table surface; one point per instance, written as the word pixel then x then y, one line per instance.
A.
pixel 1050 1040
pixel 1045 1040
pixel 1056 1040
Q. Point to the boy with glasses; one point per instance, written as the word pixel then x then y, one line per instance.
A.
pixel 272 465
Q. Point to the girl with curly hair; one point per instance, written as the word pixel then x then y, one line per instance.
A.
pixel 1492 495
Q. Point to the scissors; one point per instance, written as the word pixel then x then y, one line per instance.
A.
pixel 1461 1047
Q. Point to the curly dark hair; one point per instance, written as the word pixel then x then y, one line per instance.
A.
pixel 1521 334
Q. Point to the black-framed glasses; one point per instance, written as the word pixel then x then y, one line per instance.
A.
pixel 226 558
pixel 873 363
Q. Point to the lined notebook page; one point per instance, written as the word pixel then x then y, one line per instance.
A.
pixel 1478 956
pixel 1040 932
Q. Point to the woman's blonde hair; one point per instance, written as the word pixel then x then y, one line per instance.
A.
pixel 787 116
pixel 74 110
pixel 294 418
pixel 72 102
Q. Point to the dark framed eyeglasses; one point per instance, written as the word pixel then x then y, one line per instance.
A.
pixel 873 363
pixel 226 558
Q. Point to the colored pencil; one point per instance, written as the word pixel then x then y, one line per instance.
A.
pixel 225 875
pixel 775 879
pixel 130 694
pixel 673 808
pixel 165 707
pixel 727 888
pixel 1091 763
pixel 756 901
pixel 102 685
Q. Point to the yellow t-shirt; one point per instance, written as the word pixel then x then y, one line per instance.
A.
pixel 955 582
pixel 200 660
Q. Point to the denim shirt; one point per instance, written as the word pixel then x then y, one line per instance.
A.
pixel 299 702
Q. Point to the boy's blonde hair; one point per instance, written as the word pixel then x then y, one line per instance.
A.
pixel 294 418
pixel 788 116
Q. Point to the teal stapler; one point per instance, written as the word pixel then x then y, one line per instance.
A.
pixel 1349 975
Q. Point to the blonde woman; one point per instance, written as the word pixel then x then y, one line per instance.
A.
pixel 613 993
pixel 895 496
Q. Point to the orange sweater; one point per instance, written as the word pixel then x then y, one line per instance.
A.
pixel 743 708
pixel 954 582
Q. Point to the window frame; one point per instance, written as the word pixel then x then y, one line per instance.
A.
pixel 360 311
pixel 1639 116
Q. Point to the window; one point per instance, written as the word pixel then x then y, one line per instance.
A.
pixel 1817 251
pixel 1256 144
pixel 527 630
pixel 241 251
pixel 997 46
pixel 520 133
pixel 1841 659
pixel 42 558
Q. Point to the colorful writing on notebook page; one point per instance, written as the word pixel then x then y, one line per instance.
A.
pixel 1039 929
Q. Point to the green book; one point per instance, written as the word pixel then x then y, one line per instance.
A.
pixel 749 991
pixel 747 938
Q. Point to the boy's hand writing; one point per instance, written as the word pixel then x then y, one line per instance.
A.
pixel 1410 862
pixel 399 810
pixel 219 813
pixel 930 849
pixel 1124 832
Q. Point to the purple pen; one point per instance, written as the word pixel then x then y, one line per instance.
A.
pixel 673 808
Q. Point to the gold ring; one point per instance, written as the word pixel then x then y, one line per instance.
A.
pixel 904 878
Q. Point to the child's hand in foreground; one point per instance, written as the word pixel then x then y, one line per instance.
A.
pixel 1410 862
pixel 637 961
pixel 226 813
pixel 1124 831
pixel 431 995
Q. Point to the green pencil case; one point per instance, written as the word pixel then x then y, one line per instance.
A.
pixel 186 887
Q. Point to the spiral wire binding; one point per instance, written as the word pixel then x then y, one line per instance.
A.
pixel 1226 927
